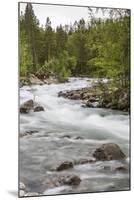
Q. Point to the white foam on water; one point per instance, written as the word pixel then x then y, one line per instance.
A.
pixel 64 116
pixel 56 190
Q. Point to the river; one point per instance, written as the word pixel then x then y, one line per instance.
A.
pixel 67 132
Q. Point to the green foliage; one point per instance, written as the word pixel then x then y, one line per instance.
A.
pixel 61 66
pixel 100 48
pixel 111 56
pixel 25 55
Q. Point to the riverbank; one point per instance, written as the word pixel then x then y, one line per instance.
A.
pixel 100 95
pixel 34 80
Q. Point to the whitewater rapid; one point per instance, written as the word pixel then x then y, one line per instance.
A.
pixel 47 147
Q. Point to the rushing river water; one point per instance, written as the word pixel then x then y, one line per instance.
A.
pixel 49 146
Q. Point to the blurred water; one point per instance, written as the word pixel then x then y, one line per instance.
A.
pixel 43 150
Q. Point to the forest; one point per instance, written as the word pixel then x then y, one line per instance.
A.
pixel 97 48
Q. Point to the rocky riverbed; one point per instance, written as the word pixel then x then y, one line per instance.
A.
pixel 66 148
pixel 100 95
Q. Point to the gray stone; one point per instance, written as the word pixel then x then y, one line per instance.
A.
pixel 71 180
pixel 79 138
pixel 89 104
pixel 38 109
pixel 76 96
pixel 121 168
pixel 27 106
pixel 64 166
pixel 66 136
pixel 109 151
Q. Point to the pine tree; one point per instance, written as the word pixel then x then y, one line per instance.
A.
pixel 61 39
pixel 31 29
pixel 49 41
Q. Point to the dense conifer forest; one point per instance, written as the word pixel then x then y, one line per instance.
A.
pixel 98 47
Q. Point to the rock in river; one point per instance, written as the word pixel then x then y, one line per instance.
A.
pixel 109 151
pixel 30 105
pixel 121 169
pixel 27 106
pixel 38 109
pixel 71 180
pixel 64 166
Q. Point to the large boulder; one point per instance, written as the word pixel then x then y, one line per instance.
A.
pixel 30 105
pixel 109 151
pixel 27 106
pixel 65 165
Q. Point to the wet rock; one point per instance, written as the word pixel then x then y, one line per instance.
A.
pixel 92 160
pixel 76 96
pixel 64 166
pixel 71 180
pixel 109 151
pixel 92 99
pixel 24 110
pixel 66 136
pixel 83 106
pixel 30 105
pixel 100 96
pixel 85 96
pixel 38 109
pixel 28 133
pixel 23 82
pixel 121 168
pixel 60 94
pixel 27 106
pixel 79 138
pixel 89 104
pixel 31 132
